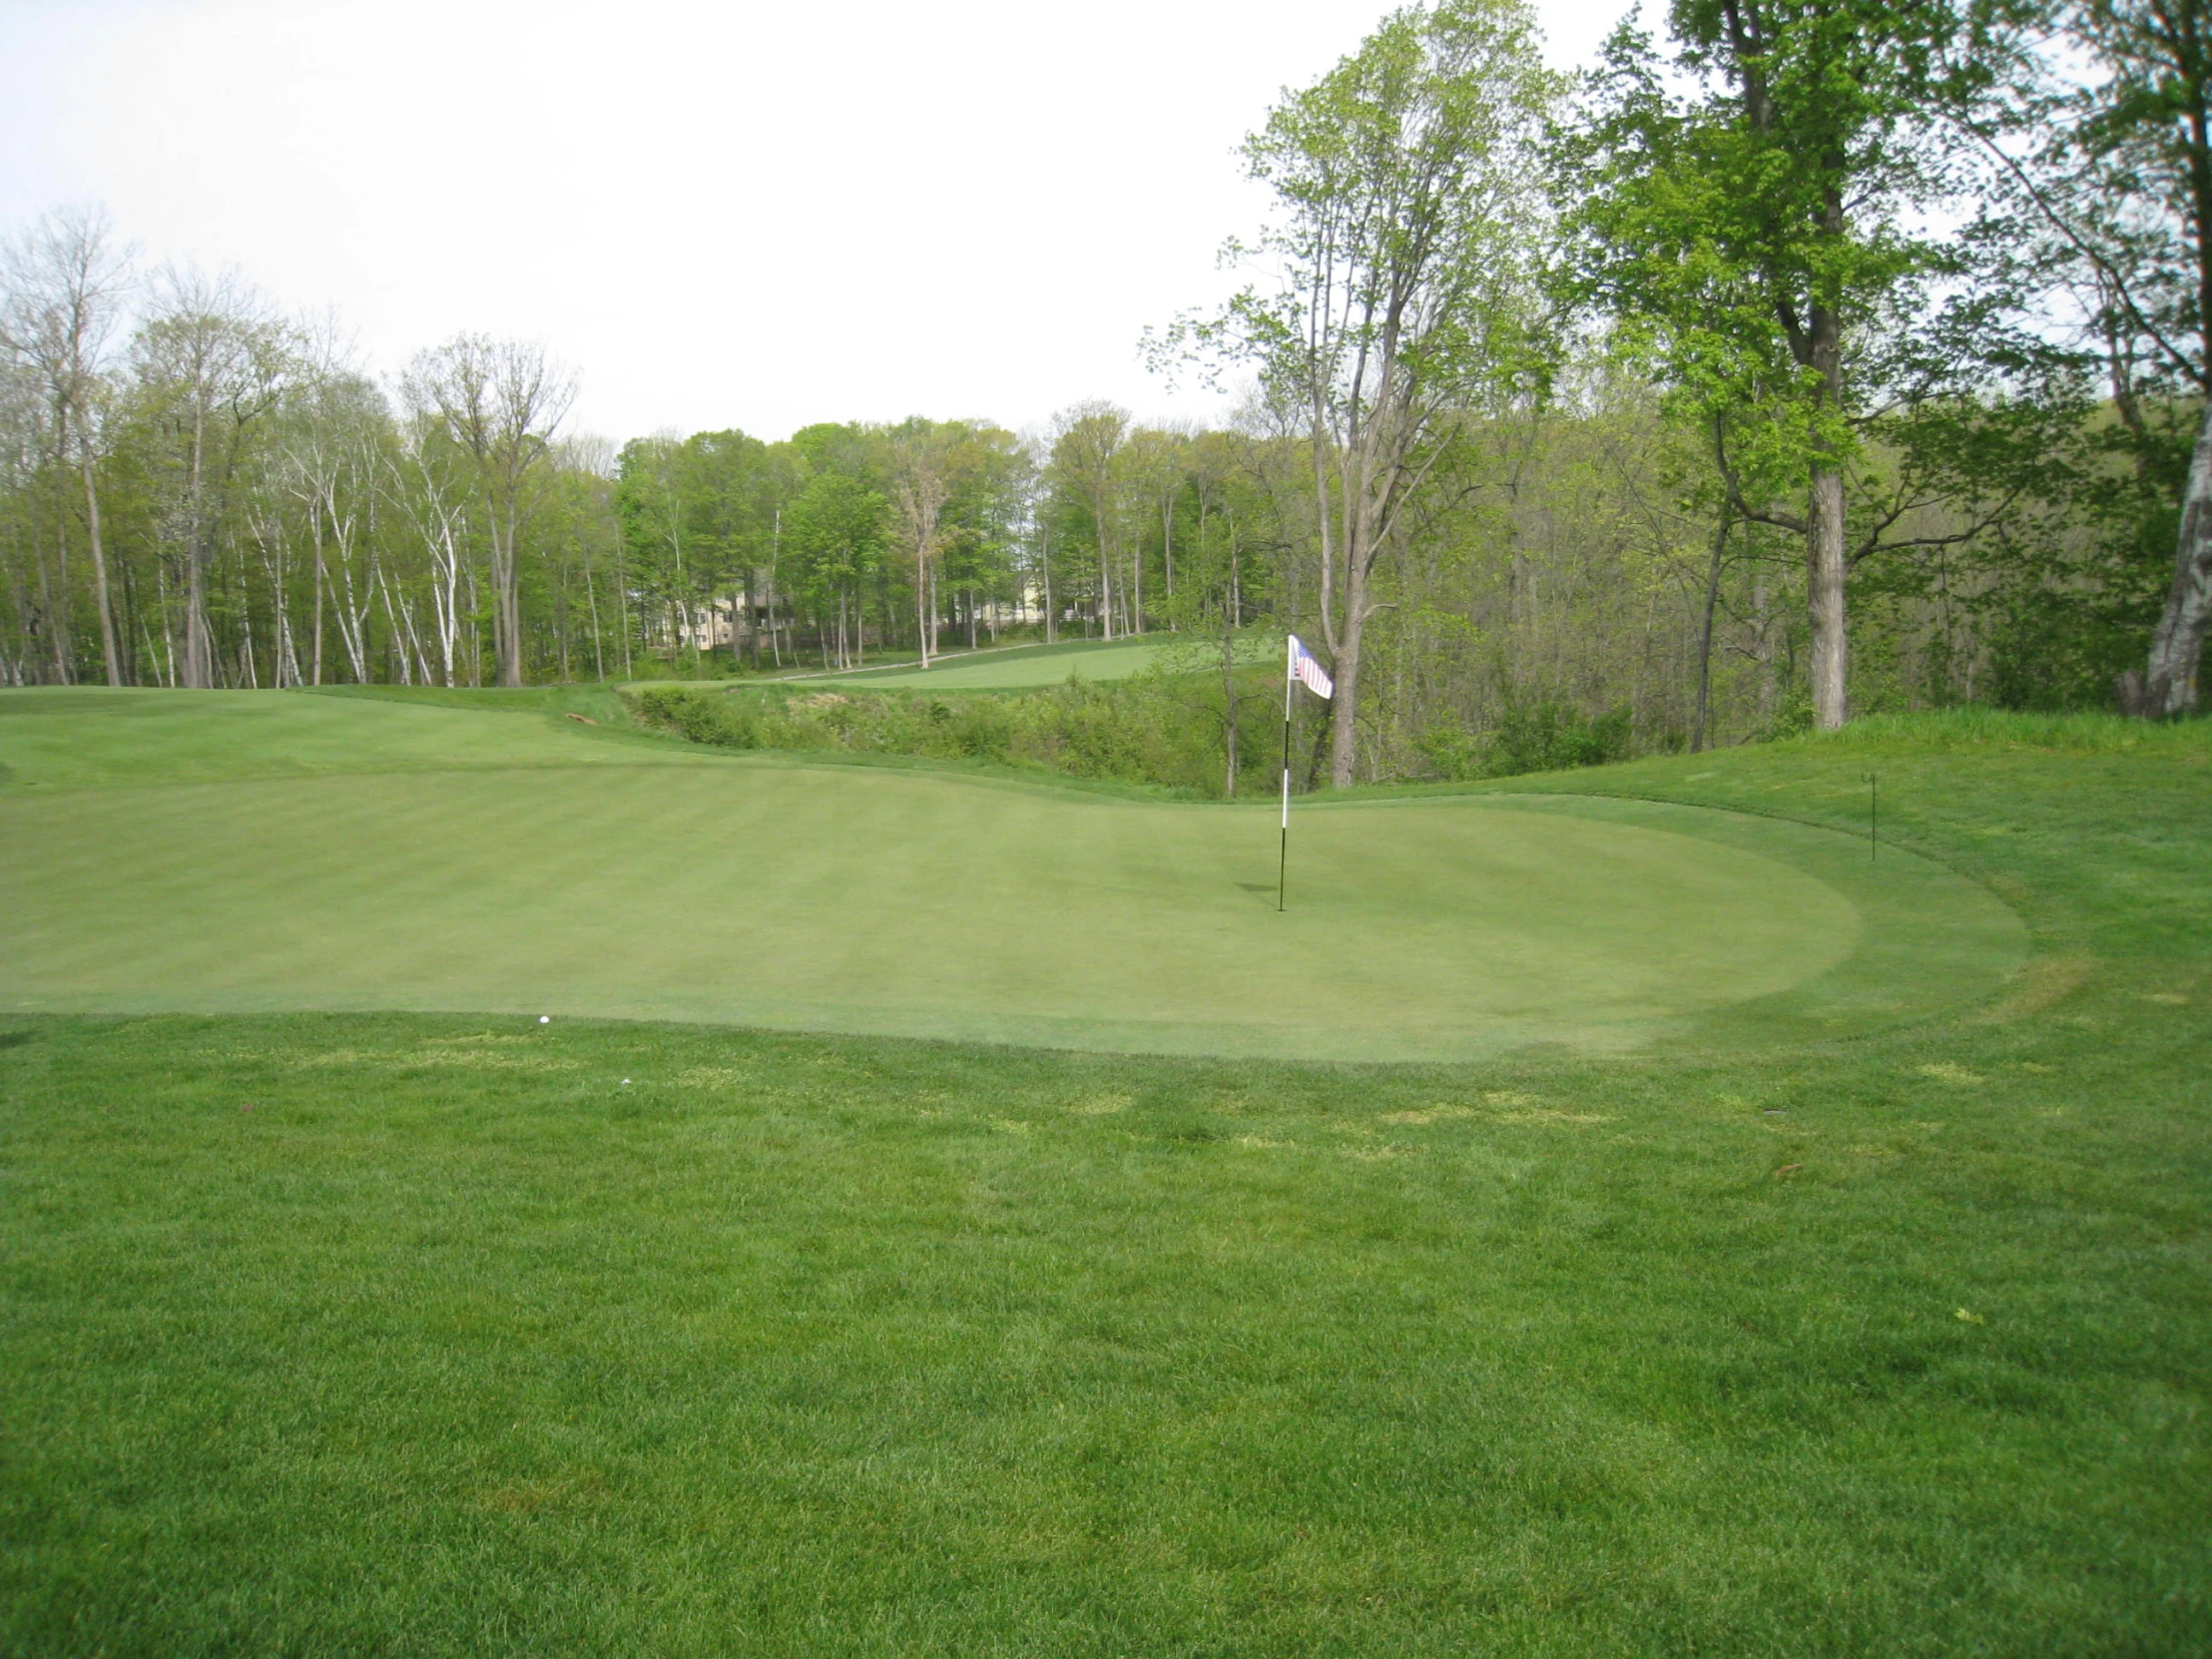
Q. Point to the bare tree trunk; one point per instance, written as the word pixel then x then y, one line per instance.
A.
pixel 169 623
pixel 1105 574
pixel 924 624
pixel 199 643
pixel 2177 647
pixel 1167 553
pixel 1134 616
pixel 560 620
pixel 1704 636
pixel 510 610
pixel 1227 666
pixel 110 656
pixel 1051 616
pixel 57 618
pixel 591 598
pixel 1362 545
pixel 1827 563
pixel 319 578
pixel 1825 573
pixel 1343 708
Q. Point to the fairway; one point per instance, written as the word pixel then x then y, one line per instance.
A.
pixel 534 871
pixel 1017 669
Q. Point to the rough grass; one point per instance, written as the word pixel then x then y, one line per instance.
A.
pixel 2096 733
pixel 426 1334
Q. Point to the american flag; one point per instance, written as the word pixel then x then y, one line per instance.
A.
pixel 1310 673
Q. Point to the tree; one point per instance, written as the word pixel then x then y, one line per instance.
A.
pixel 24 452
pixel 2116 177
pixel 835 534
pixel 1225 575
pixel 64 283
pixel 980 525
pixel 211 363
pixel 726 483
pixel 1756 234
pixel 502 402
pixel 922 467
pixel 333 454
pixel 650 505
pixel 425 478
pixel 1406 182
pixel 1088 440
pixel 1155 469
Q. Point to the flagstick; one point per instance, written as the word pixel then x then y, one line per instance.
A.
pixel 1282 861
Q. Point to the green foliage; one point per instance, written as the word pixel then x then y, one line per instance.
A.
pixel 1725 219
pixel 837 531
pixel 1404 238
pixel 1538 734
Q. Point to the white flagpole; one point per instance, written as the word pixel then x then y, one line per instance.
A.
pixel 1283 859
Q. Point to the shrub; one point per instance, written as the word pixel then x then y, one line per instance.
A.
pixel 1545 736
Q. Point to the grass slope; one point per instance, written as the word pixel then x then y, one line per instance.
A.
pixel 909 902
pixel 405 1333
pixel 91 737
pixel 1018 668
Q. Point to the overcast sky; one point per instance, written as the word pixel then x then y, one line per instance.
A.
pixel 732 215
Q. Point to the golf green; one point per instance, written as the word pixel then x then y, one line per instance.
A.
pixel 559 872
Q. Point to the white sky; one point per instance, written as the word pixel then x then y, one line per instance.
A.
pixel 723 215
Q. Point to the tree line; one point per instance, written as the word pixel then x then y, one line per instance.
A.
pixel 1807 357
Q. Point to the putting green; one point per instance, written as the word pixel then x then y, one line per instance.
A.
pixel 760 890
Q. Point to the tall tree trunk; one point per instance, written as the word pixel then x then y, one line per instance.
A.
pixel 57 622
pixel 1105 574
pixel 1167 555
pixel 924 629
pixel 510 610
pixel 111 656
pixel 319 579
pixel 1051 617
pixel 560 619
pixel 1227 667
pixel 1825 573
pixel 2177 647
pixel 1361 533
pixel 1343 708
pixel 1135 615
pixel 198 641
pixel 1705 635
pixel 1827 563
pixel 591 598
